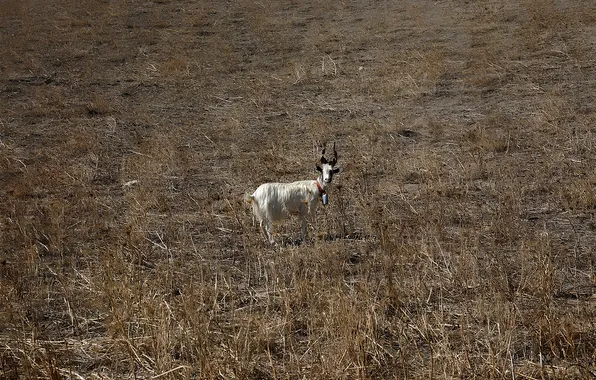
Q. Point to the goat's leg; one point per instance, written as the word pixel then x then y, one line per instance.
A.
pixel 303 229
pixel 266 227
pixel 303 216
pixel 270 232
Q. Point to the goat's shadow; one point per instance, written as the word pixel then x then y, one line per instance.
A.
pixel 356 235
pixel 286 241
pixel 289 242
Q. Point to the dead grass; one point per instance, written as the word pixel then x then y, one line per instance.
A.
pixel 458 242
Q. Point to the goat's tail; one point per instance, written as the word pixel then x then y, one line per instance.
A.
pixel 248 198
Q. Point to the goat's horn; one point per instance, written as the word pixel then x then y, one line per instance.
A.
pixel 333 160
pixel 323 159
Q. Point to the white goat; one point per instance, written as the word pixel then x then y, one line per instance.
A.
pixel 274 202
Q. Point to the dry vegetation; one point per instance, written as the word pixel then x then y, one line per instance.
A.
pixel 458 242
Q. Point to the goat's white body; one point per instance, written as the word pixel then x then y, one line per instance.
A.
pixel 274 202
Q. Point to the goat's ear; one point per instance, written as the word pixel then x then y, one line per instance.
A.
pixel 336 170
pixel 319 169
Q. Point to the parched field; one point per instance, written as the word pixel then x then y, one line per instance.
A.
pixel 460 237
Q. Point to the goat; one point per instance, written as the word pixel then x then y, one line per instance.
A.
pixel 274 202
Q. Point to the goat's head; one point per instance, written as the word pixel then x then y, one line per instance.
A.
pixel 326 168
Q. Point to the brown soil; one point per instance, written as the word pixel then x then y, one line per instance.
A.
pixel 458 242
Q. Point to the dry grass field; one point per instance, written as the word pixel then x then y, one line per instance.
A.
pixel 460 237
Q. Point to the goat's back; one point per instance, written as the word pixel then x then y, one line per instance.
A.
pixel 276 201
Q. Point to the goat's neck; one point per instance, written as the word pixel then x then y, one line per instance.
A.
pixel 321 185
